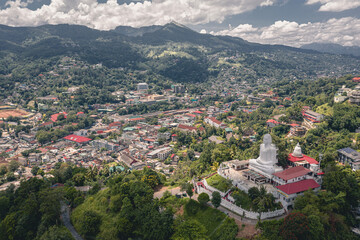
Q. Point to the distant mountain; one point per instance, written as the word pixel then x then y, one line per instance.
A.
pixel 172 51
pixel 333 48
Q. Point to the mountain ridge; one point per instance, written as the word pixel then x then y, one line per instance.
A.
pixel 172 51
pixel 333 48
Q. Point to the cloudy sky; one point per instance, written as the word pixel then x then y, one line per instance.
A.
pixel 288 22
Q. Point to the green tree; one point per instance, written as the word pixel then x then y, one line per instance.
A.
pixel 190 230
pixel 34 170
pixel 13 166
pixel 89 224
pixel 79 179
pixel 56 233
pixel 295 226
pixel 203 198
pixel 188 188
pixel 216 199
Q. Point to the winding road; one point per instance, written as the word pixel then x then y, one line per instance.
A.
pixel 65 217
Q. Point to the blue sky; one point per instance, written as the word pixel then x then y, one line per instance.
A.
pixel 288 22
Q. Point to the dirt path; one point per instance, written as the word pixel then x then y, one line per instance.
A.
pixel 65 216
pixel 160 192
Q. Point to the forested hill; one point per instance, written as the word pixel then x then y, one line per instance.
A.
pixel 333 48
pixel 172 51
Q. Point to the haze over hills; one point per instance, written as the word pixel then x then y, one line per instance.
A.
pixel 172 51
pixel 333 48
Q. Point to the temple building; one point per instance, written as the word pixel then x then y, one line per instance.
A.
pixel 296 158
pixel 285 184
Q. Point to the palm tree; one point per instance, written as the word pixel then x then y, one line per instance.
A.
pixel 264 200
pixel 215 166
pixel 91 173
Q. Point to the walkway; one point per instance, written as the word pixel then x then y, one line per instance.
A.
pixel 65 216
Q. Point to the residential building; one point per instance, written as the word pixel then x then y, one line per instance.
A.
pixel 312 116
pixel 142 87
pixel 272 123
pixel 214 122
pixel 350 157
pixel 77 139
pixel 178 88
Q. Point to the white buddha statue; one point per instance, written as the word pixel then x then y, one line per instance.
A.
pixel 297 151
pixel 266 162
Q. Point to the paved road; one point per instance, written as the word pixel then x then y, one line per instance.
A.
pixel 65 216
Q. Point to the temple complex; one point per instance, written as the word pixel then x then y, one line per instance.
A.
pixel 302 174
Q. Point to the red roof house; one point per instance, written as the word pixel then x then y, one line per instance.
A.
pixel 356 79
pixel 77 139
pixel 55 116
pixel 298 187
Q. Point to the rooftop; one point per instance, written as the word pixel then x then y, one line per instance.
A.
pixel 291 173
pixel 298 187
pixel 310 160
pixel 76 138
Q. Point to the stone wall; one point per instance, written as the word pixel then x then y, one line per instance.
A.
pixel 227 203
pixel 235 183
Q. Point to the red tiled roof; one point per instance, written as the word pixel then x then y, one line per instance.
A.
pixel 291 173
pixel 55 116
pixel 272 121
pixel 198 112
pixel 215 120
pixel 80 113
pixel 191 115
pixel 149 140
pixel 76 138
pixel 46 124
pixel 294 125
pixel 115 124
pixel 298 187
pixel 186 127
pixel 310 160
pixel 174 135
pixel 136 119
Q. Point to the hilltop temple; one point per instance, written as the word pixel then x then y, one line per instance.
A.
pixel 285 184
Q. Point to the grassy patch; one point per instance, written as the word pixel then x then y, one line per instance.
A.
pixel 98 203
pixel 219 182
pixel 325 109
pixel 242 200
pixel 209 217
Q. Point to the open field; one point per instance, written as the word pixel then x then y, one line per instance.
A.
pixel 13 112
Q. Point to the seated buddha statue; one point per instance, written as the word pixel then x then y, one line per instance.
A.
pixel 266 162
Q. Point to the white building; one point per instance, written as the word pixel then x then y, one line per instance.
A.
pixel 142 87
pixel 214 122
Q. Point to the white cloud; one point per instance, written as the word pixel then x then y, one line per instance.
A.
pixel 203 31
pixel 335 5
pixel 344 31
pixel 108 15
pixel 267 3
